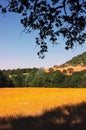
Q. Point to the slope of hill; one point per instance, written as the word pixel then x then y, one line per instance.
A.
pixel 76 64
pixel 78 60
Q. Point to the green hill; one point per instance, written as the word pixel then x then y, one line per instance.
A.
pixel 80 59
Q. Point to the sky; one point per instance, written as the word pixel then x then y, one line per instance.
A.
pixel 18 49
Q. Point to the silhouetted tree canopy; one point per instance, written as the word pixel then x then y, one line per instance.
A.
pixel 52 18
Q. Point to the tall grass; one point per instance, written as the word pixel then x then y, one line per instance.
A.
pixel 31 101
pixel 67 117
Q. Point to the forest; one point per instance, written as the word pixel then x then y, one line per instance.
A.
pixel 36 77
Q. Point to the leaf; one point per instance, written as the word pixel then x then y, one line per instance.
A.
pixel 4 10
pixel 24 14
pixel 0 6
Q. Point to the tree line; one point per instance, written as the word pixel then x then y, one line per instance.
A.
pixel 39 78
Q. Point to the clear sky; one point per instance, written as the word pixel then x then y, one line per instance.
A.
pixel 18 50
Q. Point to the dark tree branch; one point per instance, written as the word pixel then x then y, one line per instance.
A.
pixel 64 5
pixel 83 10
pixel 52 19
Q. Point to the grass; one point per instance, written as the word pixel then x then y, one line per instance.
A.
pixel 34 101
pixel 68 117
pixel 42 109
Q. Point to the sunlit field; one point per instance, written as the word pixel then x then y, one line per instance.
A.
pixel 33 101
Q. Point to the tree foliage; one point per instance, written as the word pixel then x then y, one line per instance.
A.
pixel 77 60
pixel 39 78
pixel 5 81
pixel 52 18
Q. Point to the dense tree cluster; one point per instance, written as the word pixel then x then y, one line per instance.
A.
pixel 5 81
pixel 52 18
pixel 39 78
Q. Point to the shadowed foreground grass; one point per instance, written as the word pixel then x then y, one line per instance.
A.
pixel 68 117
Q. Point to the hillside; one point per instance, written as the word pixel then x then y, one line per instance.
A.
pixel 76 64
pixel 63 77
pixel 78 60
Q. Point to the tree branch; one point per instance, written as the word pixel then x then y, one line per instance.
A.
pixel 64 5
pixel 83 10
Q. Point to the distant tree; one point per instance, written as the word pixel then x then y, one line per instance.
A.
pixel 51 70
pixel 29 79
pixel 39 79
pixel 70 70
pixel 76 80
pixel 83 76
pixel 66 82
pixel 65 71
pixel 83 84
pixel 18 72
pixel 47 79
pixel 18 81
pixel 52 18
pixel 57 78
pixel 4 80
pixel 56 66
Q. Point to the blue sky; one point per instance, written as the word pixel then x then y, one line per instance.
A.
pixel 18 49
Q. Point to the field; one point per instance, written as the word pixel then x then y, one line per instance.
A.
pixel 76 68
pixel 34 101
